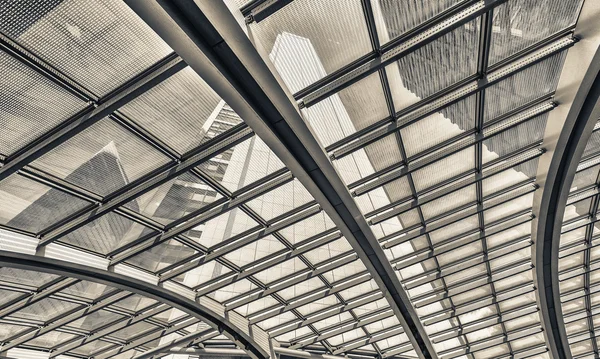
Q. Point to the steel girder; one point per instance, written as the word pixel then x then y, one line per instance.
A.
pixel 207 37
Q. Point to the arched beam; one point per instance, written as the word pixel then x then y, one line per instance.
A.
pixel 568 129
pixel 119 281
pixel 205 34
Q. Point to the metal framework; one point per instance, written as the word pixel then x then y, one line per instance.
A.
pixel 568 131
pixel 382 185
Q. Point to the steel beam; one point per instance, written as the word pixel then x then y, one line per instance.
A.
pixel 192 308
pixel 568 128
pixel 207 37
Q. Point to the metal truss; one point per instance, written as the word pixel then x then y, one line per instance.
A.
pixel 126 286
pixel 568 128
pixel 208 39
pixel 300 160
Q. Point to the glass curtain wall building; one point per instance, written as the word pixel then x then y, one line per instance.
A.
pixel 298 178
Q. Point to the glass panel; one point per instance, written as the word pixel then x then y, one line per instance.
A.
pixel 25 277
pixel 255 251
pixel 174 199
pixel 313 38
pixel 519 24
pixel 585 178
pixel 280 200
pixel 221 228
pixel 374 157
pixel 434 129
pixel 509 177
pixel 511 207
pixel 280 270
pixel 449 202
pixel 44 310
pixel 180 111
pixel 514 139
pixel 232 290
pixel 162 255
pixel 444 169
pixel 86 290
pixel 93 347
pixel 100 44
pixel 443 62
pixel 51 339
pixel 95 320
pixel 102 158
pixel 523 87
pixel 593 145
pixel 31 206
pixel 135 303
pixel 11 330
pixel 394 191
pixel 307 228
pixel 31 104
pixel 202 274
pixel 134 330
pixel 243 164
pixel 344 271
pixel 348 111
pixel 327 251
pixel 8 296
pixel 107 233
pixel 394 18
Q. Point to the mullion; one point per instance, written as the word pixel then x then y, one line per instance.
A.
pixel 457 183
pixel 484 53
pixel 392 239
pixel 417 109
pixel 328 312
pixel 236 242
pixel 108 329
pixel 400 169
pixel 400 143
pixel 255 267
pixel 66 318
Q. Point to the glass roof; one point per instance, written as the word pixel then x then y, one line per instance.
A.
pixel 438 142
pixel 578 254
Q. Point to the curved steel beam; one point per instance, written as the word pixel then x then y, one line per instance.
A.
pixel 568 129
pixel 119 281
pixel 205 34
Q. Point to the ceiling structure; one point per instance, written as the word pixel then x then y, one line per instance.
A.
pixel 319 179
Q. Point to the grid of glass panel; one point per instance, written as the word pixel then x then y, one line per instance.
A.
pixel 442 166
pixel 578 256
pixel 448 190
pixel 78 318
